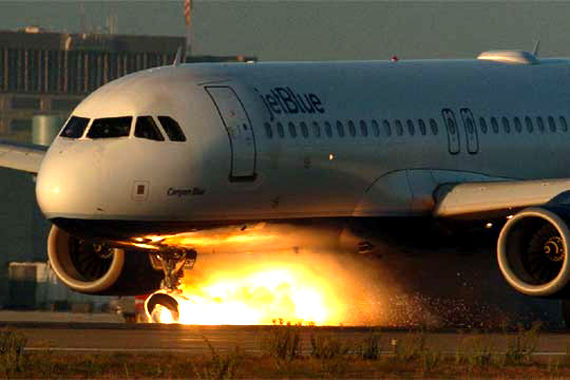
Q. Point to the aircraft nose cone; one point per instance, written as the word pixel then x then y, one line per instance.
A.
pixel 68 183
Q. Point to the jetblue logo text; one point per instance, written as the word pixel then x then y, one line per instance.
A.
pixel 283 100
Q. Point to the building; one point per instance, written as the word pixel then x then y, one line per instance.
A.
pixel 49 73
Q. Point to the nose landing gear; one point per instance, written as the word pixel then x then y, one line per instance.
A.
pixel 164 302
pixel 172 261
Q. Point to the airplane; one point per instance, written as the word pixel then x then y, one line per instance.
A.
pixel 203 147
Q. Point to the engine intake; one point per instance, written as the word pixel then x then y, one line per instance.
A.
pixel 94 268
pixel 532 252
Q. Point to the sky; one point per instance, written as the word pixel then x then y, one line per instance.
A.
pixel 318 29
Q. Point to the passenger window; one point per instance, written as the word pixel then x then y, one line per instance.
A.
pixel 268 131
pixel 340 129
pixel 551 124
pixel 145 128
pixel 375 128
pixel 351 128
pixel 506 125
pixel 411 128
pixel 518 125
pixel 540 124
pixel 304 130
pixel 110 127
pixel 363 129
pixel 172 128
pixel 280 130
pixel 434 127
pixel 328 129
pixel 529 126
pixel 422 126
pixel 483 125
pixel 316 129
pixel 387 128
pixel 399 128
pixel 494 125
pixel 563 124
pixel 75 127
pixel 292 130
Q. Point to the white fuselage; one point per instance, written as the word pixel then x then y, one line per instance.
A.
pixel 235 166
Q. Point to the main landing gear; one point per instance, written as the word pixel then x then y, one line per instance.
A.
pixel 163 305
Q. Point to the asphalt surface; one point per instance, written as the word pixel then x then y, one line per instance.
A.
pixel 149 338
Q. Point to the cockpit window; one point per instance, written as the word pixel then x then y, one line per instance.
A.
pixel 172 128
pixel 75 127
pixel 110 127
pixel 146 128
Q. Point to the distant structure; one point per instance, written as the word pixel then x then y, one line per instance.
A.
pixel 49 73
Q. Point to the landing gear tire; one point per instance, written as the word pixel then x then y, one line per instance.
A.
pixel 566 313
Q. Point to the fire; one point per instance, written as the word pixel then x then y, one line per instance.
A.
pixel 261 274
pixel 257 295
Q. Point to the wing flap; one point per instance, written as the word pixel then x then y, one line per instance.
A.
pixel 23 157
pixel 481 197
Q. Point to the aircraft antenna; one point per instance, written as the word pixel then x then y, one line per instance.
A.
pixel 536 47
pixel 178 57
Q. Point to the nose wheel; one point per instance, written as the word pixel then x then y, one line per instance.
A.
pixel 172 261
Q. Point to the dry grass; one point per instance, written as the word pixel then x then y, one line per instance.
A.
pixel 327 355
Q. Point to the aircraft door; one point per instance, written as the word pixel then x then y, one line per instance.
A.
pixel 240 132
pixel 470 130
pixel 452 131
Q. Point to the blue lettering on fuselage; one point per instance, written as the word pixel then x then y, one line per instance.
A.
pixel 284 100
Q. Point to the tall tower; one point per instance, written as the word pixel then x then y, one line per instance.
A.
pixel 188 8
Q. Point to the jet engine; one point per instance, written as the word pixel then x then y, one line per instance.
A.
pixel 532 252
pixel 95 268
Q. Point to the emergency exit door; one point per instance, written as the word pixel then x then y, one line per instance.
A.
pixel 452 130
pixel 240 132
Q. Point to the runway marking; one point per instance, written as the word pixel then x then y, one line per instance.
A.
pixel 186 350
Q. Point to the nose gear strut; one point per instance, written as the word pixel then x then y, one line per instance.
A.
pixel 173 260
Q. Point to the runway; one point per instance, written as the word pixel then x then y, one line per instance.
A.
pixel 145 338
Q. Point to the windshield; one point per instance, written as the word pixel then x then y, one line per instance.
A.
pixel 110 127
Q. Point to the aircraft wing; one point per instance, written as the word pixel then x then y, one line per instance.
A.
pixel 452 200
pixel 24 157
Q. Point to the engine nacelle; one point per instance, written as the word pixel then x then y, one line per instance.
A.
pixel 532 252
pixel 94 268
